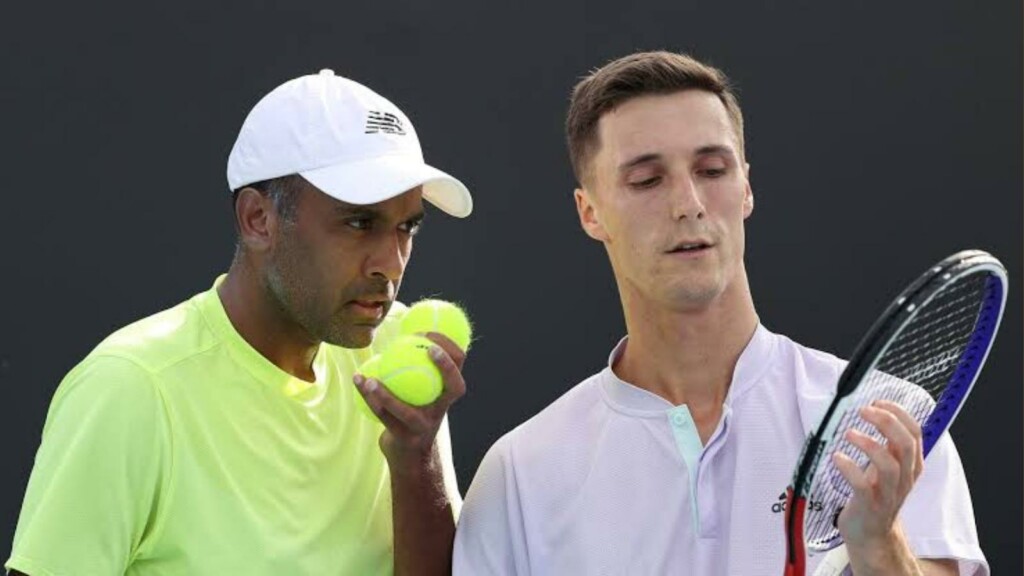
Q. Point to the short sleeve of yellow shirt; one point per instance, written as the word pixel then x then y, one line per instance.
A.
pixel 176 448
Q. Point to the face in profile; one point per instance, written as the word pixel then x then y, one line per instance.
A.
pixel 667 193
pixel 335 268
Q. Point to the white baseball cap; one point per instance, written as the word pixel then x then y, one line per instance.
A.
pixel 345 139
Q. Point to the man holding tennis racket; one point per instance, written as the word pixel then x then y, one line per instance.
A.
pixel 220 436
pixel 674 458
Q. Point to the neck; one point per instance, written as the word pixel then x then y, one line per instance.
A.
pixel 687 356
pixel 259 320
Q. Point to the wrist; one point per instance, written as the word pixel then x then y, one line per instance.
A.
pixel 413 462
pixel 421 478
pixel 889 554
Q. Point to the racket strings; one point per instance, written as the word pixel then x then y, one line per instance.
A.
pixel 931 345
pixel 913 372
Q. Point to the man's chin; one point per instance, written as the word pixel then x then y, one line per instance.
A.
pixel 693 297
pixel 358 336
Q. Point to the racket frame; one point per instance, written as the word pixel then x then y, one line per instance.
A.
pixel 871 348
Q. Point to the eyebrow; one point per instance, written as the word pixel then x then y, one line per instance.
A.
pixel 714 149
pixel 641 159
pixel 709 150
pixel 356 210
pixel 374 214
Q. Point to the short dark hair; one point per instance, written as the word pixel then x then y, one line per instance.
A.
pixel 631 76
pixel 282 191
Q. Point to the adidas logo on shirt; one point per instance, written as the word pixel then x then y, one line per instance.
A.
pixel 780 505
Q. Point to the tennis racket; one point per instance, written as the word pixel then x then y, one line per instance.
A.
pixel 924 353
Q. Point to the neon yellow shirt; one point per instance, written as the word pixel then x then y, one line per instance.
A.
pixel 176 448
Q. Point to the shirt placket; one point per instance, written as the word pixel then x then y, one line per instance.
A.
pixel 697 459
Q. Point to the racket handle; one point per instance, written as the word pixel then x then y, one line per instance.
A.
pixel 796 555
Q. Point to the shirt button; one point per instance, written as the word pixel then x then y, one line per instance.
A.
pixel 678 419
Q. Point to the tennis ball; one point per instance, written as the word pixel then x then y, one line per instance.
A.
pixel 406 370
pixel 438 316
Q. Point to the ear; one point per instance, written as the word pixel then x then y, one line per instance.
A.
pixel 748 195
pixel 590 219
pixel 256 218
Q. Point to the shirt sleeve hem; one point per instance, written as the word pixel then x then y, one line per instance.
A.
pixel 968 555
pixel 27 566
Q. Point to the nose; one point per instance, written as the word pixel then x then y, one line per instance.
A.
pixel 388 257
pixel 686 200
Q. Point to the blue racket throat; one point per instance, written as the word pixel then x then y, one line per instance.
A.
pixel 966 373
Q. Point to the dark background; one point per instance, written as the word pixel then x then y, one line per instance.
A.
pixel 882 137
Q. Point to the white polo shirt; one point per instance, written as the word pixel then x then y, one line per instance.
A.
pixel 612 479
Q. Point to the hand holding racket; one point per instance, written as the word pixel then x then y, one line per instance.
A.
pixel 922 355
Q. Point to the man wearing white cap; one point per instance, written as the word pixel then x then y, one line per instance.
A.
pixel 219 436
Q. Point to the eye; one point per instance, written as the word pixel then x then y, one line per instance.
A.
pixel 712 172
pixel 646 183
pixel 411 227
pixel 360 223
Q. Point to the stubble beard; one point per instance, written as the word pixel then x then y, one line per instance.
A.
pixel 694 290
pixel 296 301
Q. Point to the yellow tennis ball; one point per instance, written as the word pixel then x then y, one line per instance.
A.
pixel 406 370
pixel 439 316
pixel 369 369
pixel 409 373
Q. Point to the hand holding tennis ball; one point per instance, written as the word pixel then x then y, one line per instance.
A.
pixel 405 367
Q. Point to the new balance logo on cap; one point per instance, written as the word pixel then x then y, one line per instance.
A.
pixel 385 122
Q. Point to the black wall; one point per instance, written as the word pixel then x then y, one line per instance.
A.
pixel 882 136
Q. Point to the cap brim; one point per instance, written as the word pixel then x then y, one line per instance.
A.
pixel 382 178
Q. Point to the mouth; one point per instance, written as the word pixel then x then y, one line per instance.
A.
pixel 370 306
pixel 696 246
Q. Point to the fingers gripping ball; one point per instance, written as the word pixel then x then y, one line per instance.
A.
pixel 439 316
pixel 405 367
pixel 407 371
